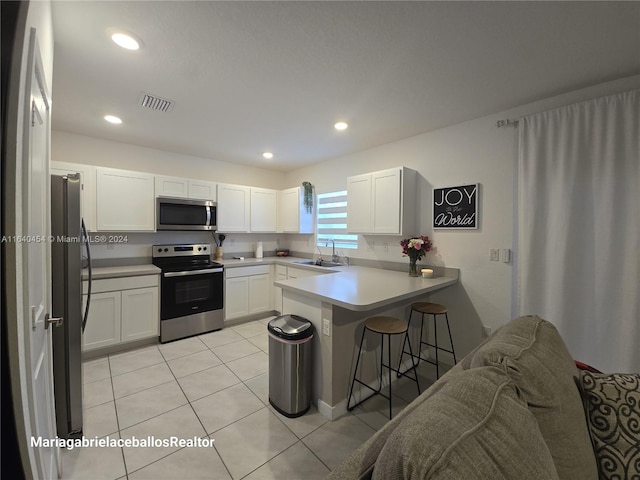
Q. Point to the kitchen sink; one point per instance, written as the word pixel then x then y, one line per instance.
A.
pixel 318 263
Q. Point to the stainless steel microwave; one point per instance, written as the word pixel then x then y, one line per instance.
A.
pixel 184 214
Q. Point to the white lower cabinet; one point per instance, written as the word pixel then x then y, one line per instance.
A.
pixel 103 324
pixel 121 310
pixel 247 291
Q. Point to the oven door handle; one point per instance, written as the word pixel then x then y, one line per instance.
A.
pixel 193 272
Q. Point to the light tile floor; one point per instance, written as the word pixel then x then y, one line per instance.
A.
pixel 216 386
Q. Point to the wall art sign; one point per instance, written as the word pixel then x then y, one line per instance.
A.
pixel 456 207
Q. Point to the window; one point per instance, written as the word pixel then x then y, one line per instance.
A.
pixel 332 221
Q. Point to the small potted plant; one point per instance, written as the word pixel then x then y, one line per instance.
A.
pixel 308 196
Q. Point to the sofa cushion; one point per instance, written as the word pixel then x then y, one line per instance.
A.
pixel 531 352
pixel 475 427
pixel 612 403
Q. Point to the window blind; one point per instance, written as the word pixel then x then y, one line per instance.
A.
pixel 332 221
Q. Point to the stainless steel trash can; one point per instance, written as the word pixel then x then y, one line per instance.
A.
pixel 290 364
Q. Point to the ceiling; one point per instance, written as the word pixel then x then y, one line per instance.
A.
pixel 249 77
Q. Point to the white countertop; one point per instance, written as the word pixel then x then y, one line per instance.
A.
pixel 362 288
pixel 122 271
pixel 351 287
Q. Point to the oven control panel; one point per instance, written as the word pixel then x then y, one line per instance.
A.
pixel 180 250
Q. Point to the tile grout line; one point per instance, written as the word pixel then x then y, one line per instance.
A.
pixel 115 408
pixel 190 402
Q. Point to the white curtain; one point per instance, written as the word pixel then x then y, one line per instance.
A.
pixel 579 227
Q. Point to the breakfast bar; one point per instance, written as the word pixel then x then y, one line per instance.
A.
pixel 337 304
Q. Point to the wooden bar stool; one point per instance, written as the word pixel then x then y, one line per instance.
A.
pixel 433 309
pixel 385 326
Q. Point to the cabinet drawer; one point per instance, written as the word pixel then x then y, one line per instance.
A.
pixel 247 271
pixel 122 283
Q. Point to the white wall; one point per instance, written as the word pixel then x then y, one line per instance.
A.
pixel 70 147
pixel 472 152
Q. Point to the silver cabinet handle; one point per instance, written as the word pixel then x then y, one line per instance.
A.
pixel 193 272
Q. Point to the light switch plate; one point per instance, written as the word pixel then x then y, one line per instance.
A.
pixel 506 255
pixel 494 254
pixel 326 327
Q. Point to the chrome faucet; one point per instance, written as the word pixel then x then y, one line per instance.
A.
pixel 334 257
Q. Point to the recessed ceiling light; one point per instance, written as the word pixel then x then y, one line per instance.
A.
pixel 341 126
pixel 267 155
pixel 113 119
pixel 125 40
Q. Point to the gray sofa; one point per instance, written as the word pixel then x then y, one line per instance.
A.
pixel 511 409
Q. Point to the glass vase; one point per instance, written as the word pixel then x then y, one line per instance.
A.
pixel 413 268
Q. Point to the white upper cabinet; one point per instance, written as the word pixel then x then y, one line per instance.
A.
pixel 125 200
pixel 171 186
pixel 203 190
pixel 292 214
pixel 359 203
pixel 382 202
pixel 185 188
pixel 233 208
pixel 88 188
pixel 263 209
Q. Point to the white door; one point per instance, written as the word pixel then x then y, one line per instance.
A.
pixel 34 254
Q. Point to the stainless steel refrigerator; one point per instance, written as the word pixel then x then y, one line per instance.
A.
pixel 69 251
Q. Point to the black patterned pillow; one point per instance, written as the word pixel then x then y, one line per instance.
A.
pixel 612 403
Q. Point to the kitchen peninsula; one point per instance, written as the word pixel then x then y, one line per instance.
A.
pixel 337 304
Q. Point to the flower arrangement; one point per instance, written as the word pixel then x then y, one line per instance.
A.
pixel 415 248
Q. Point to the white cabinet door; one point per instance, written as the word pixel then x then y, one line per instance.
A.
pixel 359 204
pixel 263 210
pixel 292 214
pixel 259 293
pixel 125 200
pixel 236 297
pixel 288 211
pixel 385 201
pixel 140 317
pixel 203 190
pixel 382 202
pixel 233 208
pixel 171 186
pixel 88 188
pixel 103 324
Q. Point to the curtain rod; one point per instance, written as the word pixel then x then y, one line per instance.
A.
pixel 507 123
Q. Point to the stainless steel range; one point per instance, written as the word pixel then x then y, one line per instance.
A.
pixel 191 290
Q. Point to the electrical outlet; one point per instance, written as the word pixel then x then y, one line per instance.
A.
pixel 494 255
pixel 486 331
pixel 385 245
pixel 326 327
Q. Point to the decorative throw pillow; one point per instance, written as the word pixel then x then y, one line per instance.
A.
pixel 612 403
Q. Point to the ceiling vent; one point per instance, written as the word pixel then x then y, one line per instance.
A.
pixel 153 102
